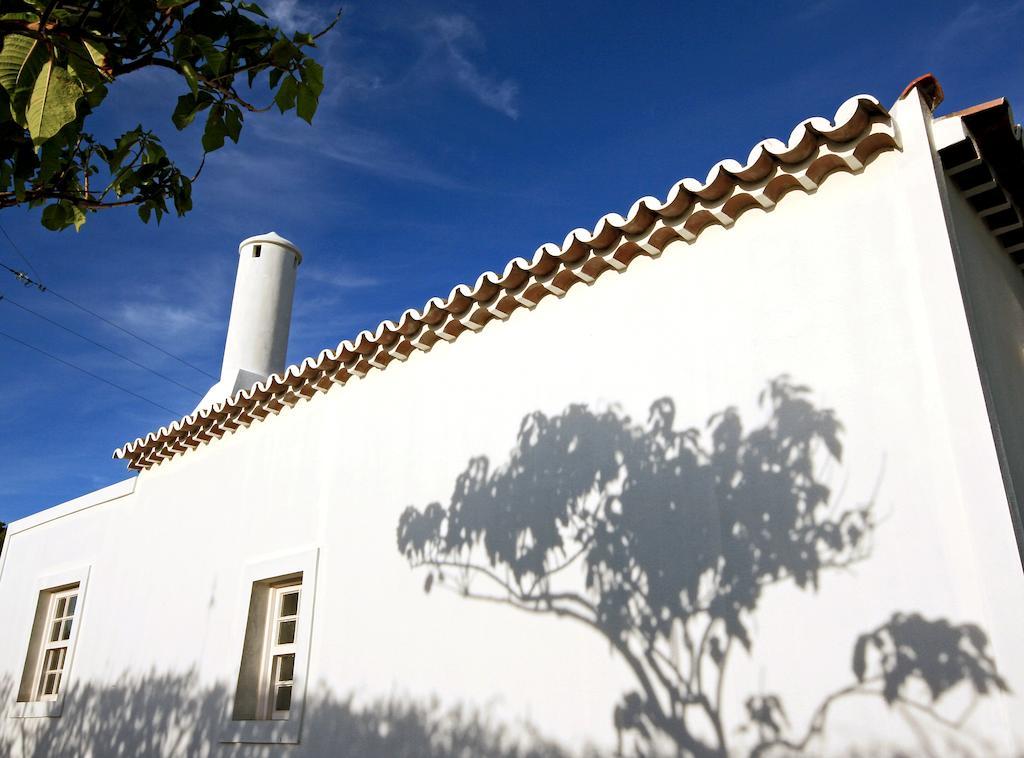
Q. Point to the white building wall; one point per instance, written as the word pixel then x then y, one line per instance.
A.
pixel 851 291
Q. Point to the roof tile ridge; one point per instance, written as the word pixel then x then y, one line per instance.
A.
pixel 852 120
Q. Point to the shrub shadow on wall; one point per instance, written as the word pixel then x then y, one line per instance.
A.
pixel 664 541
pixel 173 715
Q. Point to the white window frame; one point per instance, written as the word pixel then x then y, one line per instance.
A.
pixel 273 649
pixel 52 587
pixel 274 727
pixel 55 641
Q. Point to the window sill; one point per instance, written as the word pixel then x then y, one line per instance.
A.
pixel 36 709
pixel 263 732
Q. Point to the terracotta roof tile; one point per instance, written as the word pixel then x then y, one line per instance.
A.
pixel 861 129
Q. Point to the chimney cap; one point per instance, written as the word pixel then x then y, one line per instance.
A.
pixel 272 238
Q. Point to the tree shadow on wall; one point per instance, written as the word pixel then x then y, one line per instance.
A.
pixel 174 715
pixel 664 541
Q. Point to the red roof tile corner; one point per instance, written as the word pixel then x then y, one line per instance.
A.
pixel 930 88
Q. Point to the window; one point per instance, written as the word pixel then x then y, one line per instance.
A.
pixel 279 664
pixel 256 250
pixel 54 656
pixel 51 644
pixel 274 643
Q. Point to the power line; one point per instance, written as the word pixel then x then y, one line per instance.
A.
pixel 91 341
pixel 20 253
pixel 89 373
pixel 28 281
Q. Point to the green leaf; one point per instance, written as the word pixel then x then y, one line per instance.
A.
pixel 281 52
pixel 98 52
pixel 184 111
pixel 252 8
pixel 214 57
pixel 190 76
pixel 77 217
pixel 82 66
pixel 146 172
pixel 213 135
pixel 54 217
pixel 51 160
pixel 188 107
pixel 95 96
pixel 182 194
pixel 124 145
pixel 127 181
pixel 233 122
pixel 286 93
pixel 155 152
pixel 306 104
pixel 313 73
pixel 144 212
pixel 313 79
pixel 21 60
pixel 53 102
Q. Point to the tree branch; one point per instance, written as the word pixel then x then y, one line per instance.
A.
pixel 143 62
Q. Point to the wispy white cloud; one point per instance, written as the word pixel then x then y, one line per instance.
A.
pixel 380 155
pixel 360 148
pixel 352 82
pixel 973 18
pixel 293 15
pixel 817 8
pixel 340 279
pixel 439 55
pixel 167 321
pixel 454 35
pixel 324 322
pixel 187 312
pixel 323 315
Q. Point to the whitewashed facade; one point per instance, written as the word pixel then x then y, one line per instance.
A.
pixel 859 268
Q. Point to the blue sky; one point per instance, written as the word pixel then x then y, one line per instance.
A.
pixel 450 138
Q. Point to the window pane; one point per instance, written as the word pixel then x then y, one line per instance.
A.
pixel 55 631
pixel 290 604
pixel 67 630
pixel 72 602
pixel 60 607
pixel 285 668
pixel 62 653
pixel 50 662
pixel 283 698
pixel 286 632
pixel 51 684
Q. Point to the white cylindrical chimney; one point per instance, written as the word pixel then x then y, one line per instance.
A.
pixel 261 309
pixel 261 312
